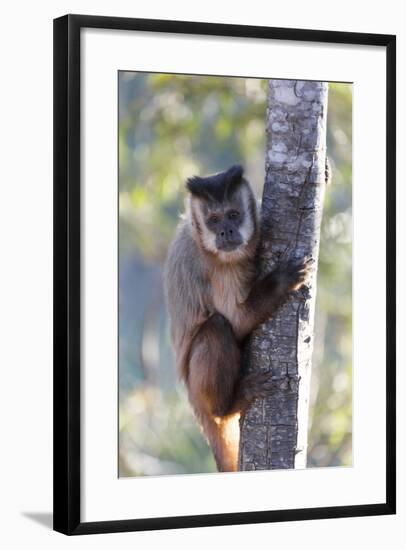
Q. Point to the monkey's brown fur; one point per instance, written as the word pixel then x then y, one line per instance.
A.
pixel 215 300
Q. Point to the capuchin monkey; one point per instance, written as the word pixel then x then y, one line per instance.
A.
pixel 215 300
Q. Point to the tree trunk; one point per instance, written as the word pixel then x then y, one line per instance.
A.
pixel 274 429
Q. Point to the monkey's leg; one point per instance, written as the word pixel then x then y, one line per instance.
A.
pixel 214 370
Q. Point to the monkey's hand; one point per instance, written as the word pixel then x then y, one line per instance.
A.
pixel 292 274
pixel 270 292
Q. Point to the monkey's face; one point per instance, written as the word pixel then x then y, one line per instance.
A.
pixel 224 222
pixel 224 215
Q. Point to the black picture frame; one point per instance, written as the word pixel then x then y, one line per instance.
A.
pixel 67 269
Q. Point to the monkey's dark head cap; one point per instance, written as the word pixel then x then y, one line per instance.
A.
pixel 218 186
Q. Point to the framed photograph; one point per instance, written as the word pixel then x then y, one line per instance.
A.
pixel 224 274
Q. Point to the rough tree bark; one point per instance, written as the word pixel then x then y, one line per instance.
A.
pixel 274 429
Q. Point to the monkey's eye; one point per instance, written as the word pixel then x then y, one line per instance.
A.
pixel 233 214
pixel 214 218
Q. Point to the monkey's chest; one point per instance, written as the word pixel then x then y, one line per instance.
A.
pixel 227 293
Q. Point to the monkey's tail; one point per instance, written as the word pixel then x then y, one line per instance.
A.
pixel 223 434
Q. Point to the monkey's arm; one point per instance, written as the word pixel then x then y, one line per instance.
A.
pixel 186 296
pixel 269 293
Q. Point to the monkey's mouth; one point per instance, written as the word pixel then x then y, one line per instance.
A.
pixel 228 246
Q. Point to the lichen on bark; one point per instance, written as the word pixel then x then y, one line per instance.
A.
pixel 274 429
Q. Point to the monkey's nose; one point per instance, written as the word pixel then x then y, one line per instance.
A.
pixel 229 233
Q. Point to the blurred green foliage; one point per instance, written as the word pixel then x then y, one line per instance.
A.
pixel 171 127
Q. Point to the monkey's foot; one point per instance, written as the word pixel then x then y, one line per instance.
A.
pixel 256 384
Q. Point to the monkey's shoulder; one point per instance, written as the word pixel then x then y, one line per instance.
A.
pixel 185 277
pixel 183 256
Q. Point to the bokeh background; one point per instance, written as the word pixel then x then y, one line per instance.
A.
pixel 172 127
